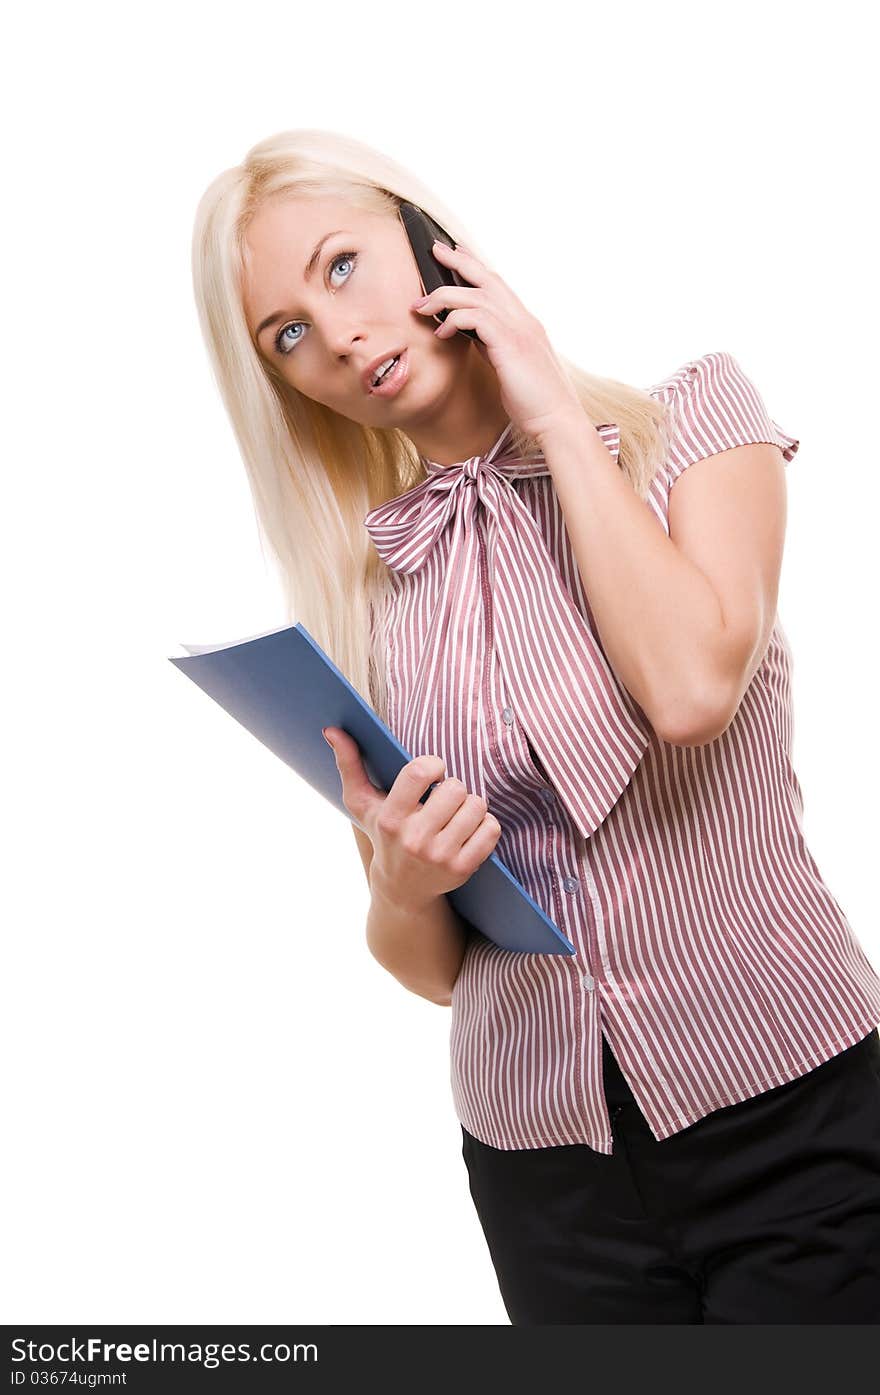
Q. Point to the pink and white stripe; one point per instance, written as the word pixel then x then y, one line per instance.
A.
pixel 709 949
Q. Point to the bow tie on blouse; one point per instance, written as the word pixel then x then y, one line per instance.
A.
pixel 584 726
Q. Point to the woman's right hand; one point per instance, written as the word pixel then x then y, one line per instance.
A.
pixel 420 851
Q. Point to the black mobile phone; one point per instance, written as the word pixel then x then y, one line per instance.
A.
pixel 422 229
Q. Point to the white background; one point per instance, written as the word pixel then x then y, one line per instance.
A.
pixel 219 1107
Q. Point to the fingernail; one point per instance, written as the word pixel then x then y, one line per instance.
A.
pixel 327 738
pixel 421 301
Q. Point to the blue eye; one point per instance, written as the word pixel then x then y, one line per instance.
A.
pixel 291 343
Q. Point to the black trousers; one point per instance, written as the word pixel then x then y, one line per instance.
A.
pixel 765 1211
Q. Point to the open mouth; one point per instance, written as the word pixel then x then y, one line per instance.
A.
pixel 391 377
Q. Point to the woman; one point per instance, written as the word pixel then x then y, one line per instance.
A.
pixel 560 592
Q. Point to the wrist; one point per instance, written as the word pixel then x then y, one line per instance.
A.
pixel 386 897
pixel 562 425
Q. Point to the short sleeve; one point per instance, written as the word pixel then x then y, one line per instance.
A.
pixel 716 406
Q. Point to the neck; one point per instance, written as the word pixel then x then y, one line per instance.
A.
pixel 469 420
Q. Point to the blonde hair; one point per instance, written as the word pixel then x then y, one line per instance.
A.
pixel 313 473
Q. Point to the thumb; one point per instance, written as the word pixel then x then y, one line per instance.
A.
pixel 358 790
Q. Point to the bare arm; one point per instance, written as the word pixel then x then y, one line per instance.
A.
pixel 423 948
pixel 413 854
pixel 685 620
pixel 365 848
pixel 657 615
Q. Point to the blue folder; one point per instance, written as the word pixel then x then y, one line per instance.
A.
pixel 283 688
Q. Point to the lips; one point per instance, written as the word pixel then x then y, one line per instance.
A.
pixel 367 374
pixel 395 378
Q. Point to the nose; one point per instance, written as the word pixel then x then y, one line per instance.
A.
pixel 343 339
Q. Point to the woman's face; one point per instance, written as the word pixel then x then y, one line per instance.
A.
pixel 321 323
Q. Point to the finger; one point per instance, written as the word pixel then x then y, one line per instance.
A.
pixel 459 248
pixel 412 781
pixel 358 790
pixel 465 261
pixel 448 296
pixel 450 810
pixel 469 317
pixel 474 270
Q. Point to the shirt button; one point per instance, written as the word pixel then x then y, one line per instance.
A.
pixel 589 982
pixel 570 883
pixel 507 715
pixel 547 796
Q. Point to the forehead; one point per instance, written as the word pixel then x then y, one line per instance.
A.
pixel 279 241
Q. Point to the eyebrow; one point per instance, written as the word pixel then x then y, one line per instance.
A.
pixel 309 268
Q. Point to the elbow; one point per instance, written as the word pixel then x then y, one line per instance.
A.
pixel 706 700
pixel 690 722
pixel 442 996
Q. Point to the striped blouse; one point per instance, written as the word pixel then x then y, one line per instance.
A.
pixel 709 950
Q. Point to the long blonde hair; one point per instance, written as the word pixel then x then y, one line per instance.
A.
pixel 313 473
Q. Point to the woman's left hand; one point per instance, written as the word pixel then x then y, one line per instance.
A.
pixel 535 390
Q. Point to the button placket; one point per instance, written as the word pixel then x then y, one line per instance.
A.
pixel 596 919
pixel 546 794
pixel 569 883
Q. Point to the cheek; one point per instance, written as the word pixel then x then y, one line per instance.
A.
pixel 306 381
